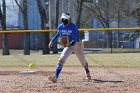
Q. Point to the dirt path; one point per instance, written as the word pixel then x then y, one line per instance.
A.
pixel 71 80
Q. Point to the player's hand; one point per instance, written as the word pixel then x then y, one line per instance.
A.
pixel 50 45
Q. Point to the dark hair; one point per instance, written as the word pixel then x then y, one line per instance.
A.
pixel 67 13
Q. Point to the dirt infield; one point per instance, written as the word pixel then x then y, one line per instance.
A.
pixel 71 80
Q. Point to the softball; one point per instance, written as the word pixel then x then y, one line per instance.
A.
pixel 31 66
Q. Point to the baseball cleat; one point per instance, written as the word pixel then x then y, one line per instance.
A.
pixel 52 78
pixel 89 78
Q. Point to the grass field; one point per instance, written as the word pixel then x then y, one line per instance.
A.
pixel 97 60
pixel 111 73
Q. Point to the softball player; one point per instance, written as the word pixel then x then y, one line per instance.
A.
pixel 70 30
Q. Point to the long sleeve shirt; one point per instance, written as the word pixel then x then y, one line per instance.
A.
pixel 71 30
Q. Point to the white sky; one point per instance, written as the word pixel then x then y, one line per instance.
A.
pixel 11 12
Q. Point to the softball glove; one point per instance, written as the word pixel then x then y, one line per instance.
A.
pixel 64 41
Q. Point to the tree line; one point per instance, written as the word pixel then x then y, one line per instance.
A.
pixel 105 11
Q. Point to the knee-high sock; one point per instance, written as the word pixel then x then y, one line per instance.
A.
pixel 58 69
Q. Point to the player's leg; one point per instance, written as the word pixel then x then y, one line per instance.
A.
pixel 79 51
pixel 64 55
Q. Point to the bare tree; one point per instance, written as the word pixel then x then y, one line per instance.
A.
pixel 105 11
pixel 23 9
pixel 79 12
pixel 120 14
pixel 101 11
pixel 55 50
pixel 136 14
pixel 3 24
pixel 45 36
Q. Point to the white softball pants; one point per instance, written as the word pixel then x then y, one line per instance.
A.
pixel 78 49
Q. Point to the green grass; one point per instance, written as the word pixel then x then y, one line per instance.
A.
pixel 115 60
pixel 97 60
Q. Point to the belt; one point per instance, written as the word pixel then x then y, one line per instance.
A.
pixel 78 40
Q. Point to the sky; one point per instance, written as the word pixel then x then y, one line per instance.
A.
pixel 11 12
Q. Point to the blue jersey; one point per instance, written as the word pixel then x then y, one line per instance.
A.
pixel 71 30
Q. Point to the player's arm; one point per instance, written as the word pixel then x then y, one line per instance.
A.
pixel 53 39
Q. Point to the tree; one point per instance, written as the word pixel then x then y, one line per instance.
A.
pixel 101 10
pixel 45 36
pixel 26 43
pixel 120 15
pixel 136 14
pixel 3 24
pixel 55 50
pixel 79 12
pixel 107 11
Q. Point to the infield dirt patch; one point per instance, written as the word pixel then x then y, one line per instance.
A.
pixel 71 80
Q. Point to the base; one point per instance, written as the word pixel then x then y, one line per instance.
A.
pixel 27 72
